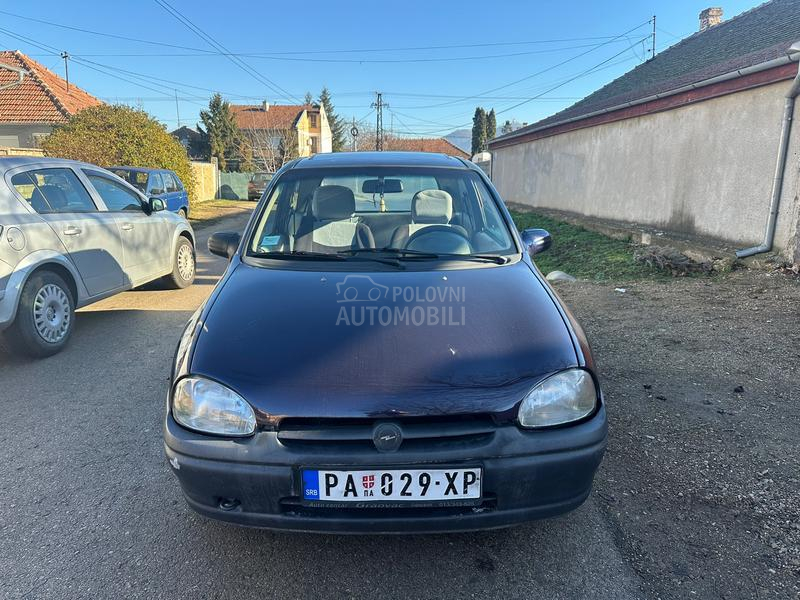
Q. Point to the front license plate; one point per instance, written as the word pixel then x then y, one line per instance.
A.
pixel 402 485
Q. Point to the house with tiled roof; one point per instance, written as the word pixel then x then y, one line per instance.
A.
pixel 33 99
pixel 278 133
pixel 440 145
pixel 686 143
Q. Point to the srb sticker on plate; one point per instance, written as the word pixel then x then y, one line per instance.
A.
pixel 408 485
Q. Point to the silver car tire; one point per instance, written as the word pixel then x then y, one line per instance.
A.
pixel 184 265
pixel 45 316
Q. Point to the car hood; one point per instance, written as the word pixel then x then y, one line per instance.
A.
pixel 311 344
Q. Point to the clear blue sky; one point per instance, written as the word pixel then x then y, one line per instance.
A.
pixel 305 45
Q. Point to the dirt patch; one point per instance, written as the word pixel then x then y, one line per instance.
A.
pixel 702 476
pixel 205 214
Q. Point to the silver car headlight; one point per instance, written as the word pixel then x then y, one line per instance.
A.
pixel 210 407
pixel 561 398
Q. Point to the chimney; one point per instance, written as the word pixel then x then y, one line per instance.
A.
pixel 265 106
pixel 710 17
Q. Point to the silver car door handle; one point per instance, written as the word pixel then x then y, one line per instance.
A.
pixel 72 231
pixel 126 227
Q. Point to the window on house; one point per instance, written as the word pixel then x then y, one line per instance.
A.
pixel 314 145
pixel 313 118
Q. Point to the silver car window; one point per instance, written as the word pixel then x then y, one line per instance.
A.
pixel 53 191
pixel 116 196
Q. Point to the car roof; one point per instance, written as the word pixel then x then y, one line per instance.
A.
pixel 380 159
pixel 137 169
pixel 12 162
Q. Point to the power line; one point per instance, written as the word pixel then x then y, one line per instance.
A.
pixel 234 59
pixel 300 52
pixel 261 56
pixel 534 90
pixel 542 71
pixel 550 89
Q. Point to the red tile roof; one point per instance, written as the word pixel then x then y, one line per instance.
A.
pixel 277 116
pixel 42 96
pixel 440 145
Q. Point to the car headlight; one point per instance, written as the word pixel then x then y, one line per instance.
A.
pixel 561 398
pixel 210 407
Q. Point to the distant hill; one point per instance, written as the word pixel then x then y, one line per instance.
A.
pixel 461 138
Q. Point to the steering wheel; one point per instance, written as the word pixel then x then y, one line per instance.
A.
pixel 439 239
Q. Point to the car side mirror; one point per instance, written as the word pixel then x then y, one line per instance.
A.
pixel 536 240
pixel 156 205
pixel 224 243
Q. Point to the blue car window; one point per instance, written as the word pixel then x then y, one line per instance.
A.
pixel 155 185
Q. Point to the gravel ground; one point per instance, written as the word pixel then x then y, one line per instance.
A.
pixel 700 482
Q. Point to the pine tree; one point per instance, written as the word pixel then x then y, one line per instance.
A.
pixel 335 122
pixel 478 131
pixel 491 127
pixel 224 138
pixel 308 99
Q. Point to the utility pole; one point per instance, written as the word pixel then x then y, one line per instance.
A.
pixel 65 56
pixel 177 109
pixel 653 50
pixel 379 105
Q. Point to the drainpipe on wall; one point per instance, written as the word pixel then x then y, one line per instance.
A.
pixel 780 167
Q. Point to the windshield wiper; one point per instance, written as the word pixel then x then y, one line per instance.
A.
pixel 301 255
pixel 420 255
pixel 339 256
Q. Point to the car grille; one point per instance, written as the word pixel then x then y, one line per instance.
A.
pixel 419 434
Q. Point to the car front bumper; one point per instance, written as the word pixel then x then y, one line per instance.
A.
pixel 256 481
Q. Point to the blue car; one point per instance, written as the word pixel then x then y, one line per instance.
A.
pixel 383 356
pixel 157 183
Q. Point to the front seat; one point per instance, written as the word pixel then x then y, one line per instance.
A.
pixel 331 226
pixel 428 207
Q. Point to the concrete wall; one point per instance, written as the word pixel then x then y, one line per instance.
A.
pixel 206 177
pixel 27 136
pixel 703 169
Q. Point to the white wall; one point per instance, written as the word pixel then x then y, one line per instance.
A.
pixel 24 134
pixel 704 169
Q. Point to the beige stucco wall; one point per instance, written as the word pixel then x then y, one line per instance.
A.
pixel 704 169
pixel 206 180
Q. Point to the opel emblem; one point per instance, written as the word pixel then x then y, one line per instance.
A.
pixel 387 437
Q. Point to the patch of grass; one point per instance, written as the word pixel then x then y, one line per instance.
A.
pixel 586 254
pixel 203 214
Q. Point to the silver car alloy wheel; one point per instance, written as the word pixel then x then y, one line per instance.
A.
pixel 52 313
pixel 185 262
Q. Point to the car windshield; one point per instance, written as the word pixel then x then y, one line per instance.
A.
pixel 137 179
pixel 261 177
pixel 399 213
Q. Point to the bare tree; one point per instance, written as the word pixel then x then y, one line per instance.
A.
pixel 271 148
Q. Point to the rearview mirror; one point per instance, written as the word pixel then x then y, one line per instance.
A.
pixel 536 240
pixel 385 186
pixel 224 243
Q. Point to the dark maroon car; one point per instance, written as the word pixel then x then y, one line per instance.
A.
pixel 382 355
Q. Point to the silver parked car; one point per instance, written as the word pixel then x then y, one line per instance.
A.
pixel 71 234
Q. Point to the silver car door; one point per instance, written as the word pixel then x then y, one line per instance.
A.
pixel 91 237
pixel 145 238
